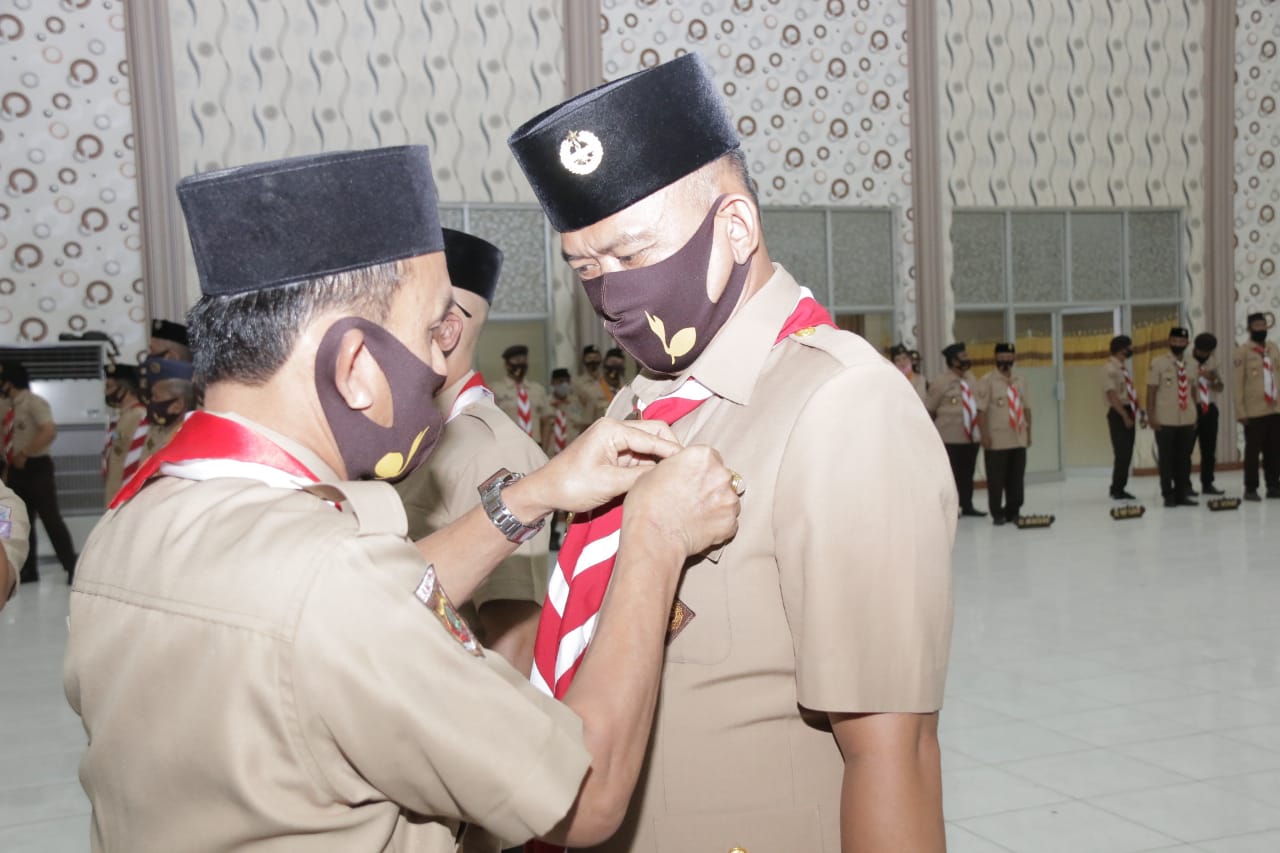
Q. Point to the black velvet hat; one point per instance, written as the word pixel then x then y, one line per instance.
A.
pixel 953 350
pixel 514 351
pixel 1004 347
pixel 1179 332
pixel 604 150
pixel 474 264
pixel 167 330
pixel 275 223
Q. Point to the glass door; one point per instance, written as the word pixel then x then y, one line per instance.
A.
pixel 1037 360
pixel 1085 345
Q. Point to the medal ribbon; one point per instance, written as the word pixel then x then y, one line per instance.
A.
pixel 524 409
pixel 207 446
pixel 473 391
pixel 1183 389
pixel 581 576
pixel 1268 375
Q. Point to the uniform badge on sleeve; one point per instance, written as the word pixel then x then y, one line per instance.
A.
pixel 430 593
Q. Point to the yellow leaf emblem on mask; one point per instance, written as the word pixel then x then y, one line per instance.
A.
pixel 682 342
pixel 393 463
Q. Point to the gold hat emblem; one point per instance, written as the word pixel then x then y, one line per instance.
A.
pixel 581 152
pixel 682 342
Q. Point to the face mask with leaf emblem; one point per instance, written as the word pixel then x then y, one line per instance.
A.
pixel 660 313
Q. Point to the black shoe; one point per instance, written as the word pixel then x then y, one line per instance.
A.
pixel 1170 502
pixel 1252 495
pixel 1122 495
pixel 1192 493
pixel 1273 493
pixel 1211 490
pixel 997 520
pixel 28 577
pixel 1185 501
pixel 970 512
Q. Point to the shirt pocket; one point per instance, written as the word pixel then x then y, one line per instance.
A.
pixel 707 638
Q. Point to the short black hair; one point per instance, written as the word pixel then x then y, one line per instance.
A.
pixel 615 353
pixel 1256 317
pixel 559 373
pixel 1206 342
pixel 589 349
pixel 15 372
pixel 247 337
pixel 1120 342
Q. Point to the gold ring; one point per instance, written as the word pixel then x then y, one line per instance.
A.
pixel 737 483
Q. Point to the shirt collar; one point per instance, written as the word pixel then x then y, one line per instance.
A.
pixel 446 398
pixel 732 362
pixel 307 457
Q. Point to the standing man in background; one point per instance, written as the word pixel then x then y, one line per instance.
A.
pixel 1172 413
pixel 1254 374
pixel 592 392
pixel 524 401
pixel 567 419
pixel 901 358
pixel 1004 423
pixel 951 403
pixel 122 394
pixel 170 398
pixel 27 432
pixel 1123 412
pixel 1208 383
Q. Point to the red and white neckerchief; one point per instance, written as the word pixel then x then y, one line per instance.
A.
pixel 208 447
pixel 970 410
pixel 581 576
pixel 133 458
pixel 1129 390
pixel 110 439
pixel 1183 388
pixel 6 442
pixel 1268 375
pixel 472 392
pixel 1202 391
pixel 524 409
pixel 1015 408
pixel 560 430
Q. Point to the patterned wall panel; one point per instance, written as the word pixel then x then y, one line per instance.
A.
pixel 1257 175
pixel 69 234
pixel 818 91
pixel 1076 104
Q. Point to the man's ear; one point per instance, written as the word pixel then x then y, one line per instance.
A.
pixel 356 374
pixel 449 332
pixel 737 218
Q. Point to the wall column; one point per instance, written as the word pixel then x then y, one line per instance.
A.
pixel 926 184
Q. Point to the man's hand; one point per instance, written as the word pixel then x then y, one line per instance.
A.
pixel 688 500
pixel 19 461
pixel 1155 424
pixel 1128 421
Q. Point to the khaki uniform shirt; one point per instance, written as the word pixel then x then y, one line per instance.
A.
pixel 255 673
pixel 992 397
pixel 943 403
pixel 1113 380
pixel 15 532
pixel 594 395
pixel 506 396
pixel 830 597
pixel 1247 379
pixel 919 383
pixel 576 420
pixel 1209 369
pixel 1163 376
pixel 475 444
pixel 121 438
pixel 30 412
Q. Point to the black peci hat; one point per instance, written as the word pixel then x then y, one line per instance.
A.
pixel 604 150
pixel 474 264
pixel 1004 347
pixel 1179 332
pixel 275 223
pixel 953 350
pixel 514 351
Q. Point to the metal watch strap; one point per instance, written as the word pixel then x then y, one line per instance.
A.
pixel 496 508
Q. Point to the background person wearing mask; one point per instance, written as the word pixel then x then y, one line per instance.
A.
pixel 1255 375
pixel 27 432
pixel 1004 422
pixel 951 403
pixel 567 420
pixel 1123 412
pixel 170 398
pixel 901 358
pixel 1208 383
pixel 122 395
pixel 524 400
pixel 1171 411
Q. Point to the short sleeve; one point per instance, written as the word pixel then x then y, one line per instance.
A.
pixel 41 413
pixel 389 698
pixel 864 547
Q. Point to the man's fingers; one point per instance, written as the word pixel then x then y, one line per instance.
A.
pixel 645 438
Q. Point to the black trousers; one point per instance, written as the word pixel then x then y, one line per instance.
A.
pixel 1207 436
pixel 964 459
pixel 1122 438
pixel 1262 438
pixel 1006 471
pixel 34 483
pixel 1174 445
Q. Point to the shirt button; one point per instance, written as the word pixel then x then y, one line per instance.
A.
pixel 737 850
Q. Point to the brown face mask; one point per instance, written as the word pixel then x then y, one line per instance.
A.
pixel 660 313
pixel 368 449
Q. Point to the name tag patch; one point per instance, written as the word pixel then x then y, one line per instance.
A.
pixel 431 594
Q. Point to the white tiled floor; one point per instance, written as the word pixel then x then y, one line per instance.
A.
pixel 1115 687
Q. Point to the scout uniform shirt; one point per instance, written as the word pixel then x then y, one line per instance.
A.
pixel 255 673
pixel 1113 380
pixel 118 448
pixel 944 404
pixel 1248 382
pixel 476 443
pixel 1209 367
pixel 30 412
pixel 508 400
pixel 919 383
pixel 992 397
pixel 594 395
pixel 829 598
pixel 1163 376
pixel 15 530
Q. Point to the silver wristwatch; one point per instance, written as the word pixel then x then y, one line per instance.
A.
pixel 502 518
